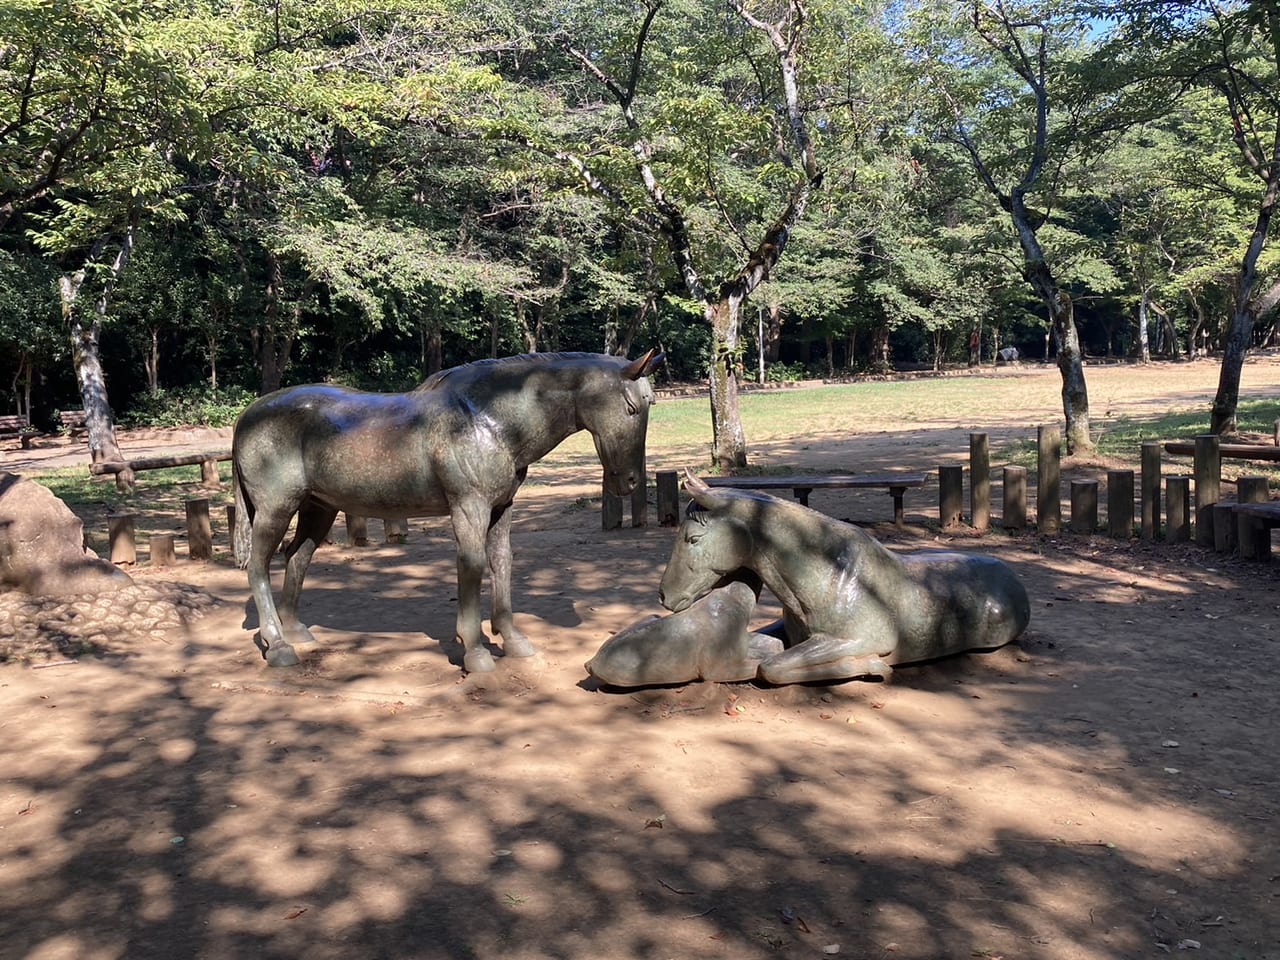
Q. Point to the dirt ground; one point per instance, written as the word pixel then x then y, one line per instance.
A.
pixel 1105 788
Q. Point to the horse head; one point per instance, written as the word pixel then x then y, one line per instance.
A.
pixel 712 543
pixel 616 412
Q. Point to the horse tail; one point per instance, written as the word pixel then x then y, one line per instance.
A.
pixel 242 536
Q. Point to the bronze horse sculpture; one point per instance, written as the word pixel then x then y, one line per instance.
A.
pixel 851 607
pixel 459 445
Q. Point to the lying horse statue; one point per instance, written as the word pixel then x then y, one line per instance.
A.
pixel 852 608
pixel 459 445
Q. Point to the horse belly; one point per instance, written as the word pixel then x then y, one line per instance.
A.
pixel 374 479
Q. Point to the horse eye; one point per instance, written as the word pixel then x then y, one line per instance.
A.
pixel 695 538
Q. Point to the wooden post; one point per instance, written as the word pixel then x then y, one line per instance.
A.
pixel 1224 528
pixel 209 475
pixel 162 554
pixel 668 498
pixel 199 530
pixel 1049 479
pixel 1248 537
pixel 1208 471
pixel 1177 491
pixel 357 530
pixel 395 529
pixel 1120 503
pixel 1084 506
pixel 120 532
pixel 610 510
pixel 979 481
pixel 1150 489
pixel 640 502
pixel 231 526
pixel 950 495
pixel 1015 498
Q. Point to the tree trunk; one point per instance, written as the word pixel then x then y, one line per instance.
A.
pixel 152 361
pixel 1144 338
pixel 1075 394
pixel 611 331
pixel 85 336
pixel 728 440
pixel 272 340
pixel 1239 335
pixel 773 334
pixel 880 350
pixel 831 356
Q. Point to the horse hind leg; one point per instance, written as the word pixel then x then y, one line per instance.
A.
pixel 268 530
pixel 498 549
pixel 314 523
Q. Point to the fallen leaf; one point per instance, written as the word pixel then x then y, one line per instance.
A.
pixel 296 914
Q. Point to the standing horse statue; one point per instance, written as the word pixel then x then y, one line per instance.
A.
pixel 459 445
pixel 851 607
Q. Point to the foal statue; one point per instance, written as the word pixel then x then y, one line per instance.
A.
pixel 851 607
pixel 459 445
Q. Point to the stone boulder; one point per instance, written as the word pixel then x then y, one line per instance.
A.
pixel 42 549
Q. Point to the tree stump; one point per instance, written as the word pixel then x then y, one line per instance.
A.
pixel 1015 498
pixel 1120 503
pixel 1049 479
pixel 162 553
pixel 1177 492
pixel 199 530
pixel 1150 490
pixel 1084 506
pixel 120 532
pixel 979 481
pixel 1208 473
pixel 950 495
pixel 668 498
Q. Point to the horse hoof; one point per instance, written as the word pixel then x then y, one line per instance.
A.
pixel 518 647
pixel 281 655
pixel 478 661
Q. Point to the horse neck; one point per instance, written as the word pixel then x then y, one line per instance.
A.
pixel 537 418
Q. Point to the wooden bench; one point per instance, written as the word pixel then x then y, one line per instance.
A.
pixel 1257 520
pixel 17 425
pixel 72 422
pixel 802 485
pixel 1233 451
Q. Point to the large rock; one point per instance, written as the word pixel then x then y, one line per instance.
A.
pixel 42 549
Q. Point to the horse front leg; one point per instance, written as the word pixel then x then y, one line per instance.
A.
pixel 498 547
pixel 823 657
pixel 470 524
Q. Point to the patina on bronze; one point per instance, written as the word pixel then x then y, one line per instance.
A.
pixel 852 607
pixel 459 445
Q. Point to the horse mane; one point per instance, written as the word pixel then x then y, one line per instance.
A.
pixel 530 359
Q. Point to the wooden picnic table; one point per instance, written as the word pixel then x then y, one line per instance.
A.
pixel 801 485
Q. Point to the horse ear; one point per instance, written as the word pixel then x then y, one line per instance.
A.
pixel 702 494
pixel 641 366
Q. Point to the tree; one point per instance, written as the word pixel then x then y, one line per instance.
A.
pixel 713 150
pixel 1022 148
pixel 1235 50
